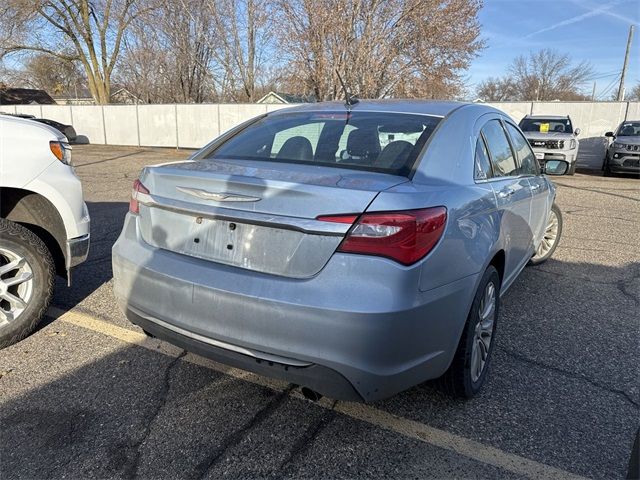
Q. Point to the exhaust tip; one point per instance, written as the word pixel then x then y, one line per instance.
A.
pixel 311 394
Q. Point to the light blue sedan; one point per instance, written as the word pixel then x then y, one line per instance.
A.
pixel 353 250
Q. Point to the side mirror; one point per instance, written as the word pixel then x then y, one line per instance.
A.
pixel 556 167
pixel 577 131
pixel 609 134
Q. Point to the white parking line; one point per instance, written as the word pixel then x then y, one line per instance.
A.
pixel 366 413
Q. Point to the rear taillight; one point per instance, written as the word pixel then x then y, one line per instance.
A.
pixel 405 236
pixel 138 187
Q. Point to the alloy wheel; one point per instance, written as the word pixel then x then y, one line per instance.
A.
pixel 550 236
pixel 483 332
pixel 16 285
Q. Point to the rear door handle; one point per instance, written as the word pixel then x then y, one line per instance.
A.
pixel 506 193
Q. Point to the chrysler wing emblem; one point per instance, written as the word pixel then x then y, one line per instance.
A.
pixel 218 196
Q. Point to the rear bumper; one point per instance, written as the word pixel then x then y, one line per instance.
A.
pixel 316 377
pixel 376 330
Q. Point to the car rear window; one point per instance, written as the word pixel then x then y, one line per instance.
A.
pixel 386 142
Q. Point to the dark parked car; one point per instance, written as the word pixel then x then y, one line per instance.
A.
pixel 623 154
pixel 67 130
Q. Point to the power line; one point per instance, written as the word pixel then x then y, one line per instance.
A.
pixel 604 75
pixel 607 90
pixel 609 87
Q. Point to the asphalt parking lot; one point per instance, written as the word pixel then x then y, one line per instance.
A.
pixel 88 395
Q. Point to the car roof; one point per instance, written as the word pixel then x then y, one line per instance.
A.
pixel 548 117
pixel 436 108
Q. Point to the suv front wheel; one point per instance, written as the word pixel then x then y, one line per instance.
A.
pixel 26 281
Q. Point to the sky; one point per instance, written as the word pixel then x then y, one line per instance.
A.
pixel 591 30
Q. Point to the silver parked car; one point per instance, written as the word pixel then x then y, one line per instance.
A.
pixel 355 252
pixel 623 154
pixel 552 137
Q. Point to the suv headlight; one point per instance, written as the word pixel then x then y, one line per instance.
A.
pixel 572 144
pixel 62 151
pixel 618 145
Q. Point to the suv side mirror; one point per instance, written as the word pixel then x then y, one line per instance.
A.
pixel 577 131
pixel 609 134
pixel 556 167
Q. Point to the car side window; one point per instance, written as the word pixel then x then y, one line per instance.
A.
pixel 482 161
pixel 526 158
pixel 502 160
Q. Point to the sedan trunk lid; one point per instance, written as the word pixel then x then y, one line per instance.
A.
pixel 259 215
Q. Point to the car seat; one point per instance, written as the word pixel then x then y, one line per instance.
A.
pixel 394 155
pixel 296 148
pixel 363 147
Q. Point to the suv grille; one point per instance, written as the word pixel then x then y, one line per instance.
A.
pixel 552 144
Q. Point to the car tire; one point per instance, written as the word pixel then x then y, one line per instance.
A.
pixel 463 379
pixel 607 169
pixel 572 168
pixel 27 299
pixel 552 235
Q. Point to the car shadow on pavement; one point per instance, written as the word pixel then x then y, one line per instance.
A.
pixel 106 223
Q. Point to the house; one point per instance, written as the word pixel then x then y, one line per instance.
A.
pixel 279 97
pixel 24 96
pixel 124 96
pixel 119 96
pixel 75 101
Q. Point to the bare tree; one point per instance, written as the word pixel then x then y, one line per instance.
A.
pixel 634 93
pixel 245 34
pixel 90 32
pixel 495 89
pixel 168 57
pixel 549 75
pixel 56 76
pixel 381 47
pixel 543 75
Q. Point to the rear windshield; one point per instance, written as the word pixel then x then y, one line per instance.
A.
pixel 386 142
pixel 543 125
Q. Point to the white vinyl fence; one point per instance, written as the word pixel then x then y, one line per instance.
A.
pixel 192 126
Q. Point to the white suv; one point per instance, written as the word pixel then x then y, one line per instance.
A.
pixel 552 137
pixel 44 222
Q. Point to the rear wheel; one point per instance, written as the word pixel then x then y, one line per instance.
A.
pixel 469 369
pixel 551 238
pixel 26 281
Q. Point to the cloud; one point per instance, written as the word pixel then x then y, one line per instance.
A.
pixel 592 11
pixel 608 12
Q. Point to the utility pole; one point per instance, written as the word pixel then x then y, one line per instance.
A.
pixel 624 66
pixel 593 93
